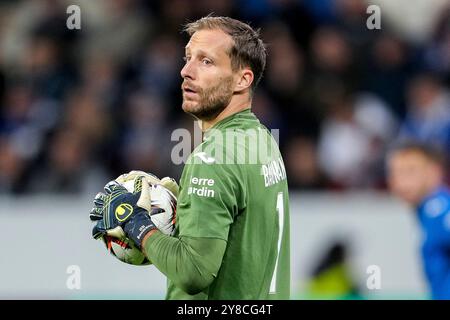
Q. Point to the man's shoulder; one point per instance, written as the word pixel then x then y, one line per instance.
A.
pixel 239 145
pixel 438 204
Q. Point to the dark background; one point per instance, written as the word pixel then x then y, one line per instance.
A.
pixel 79 107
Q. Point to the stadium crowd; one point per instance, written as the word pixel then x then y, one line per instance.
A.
pixel 78 107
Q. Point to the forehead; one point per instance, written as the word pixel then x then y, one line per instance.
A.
pixel 408 157
pixel 213 41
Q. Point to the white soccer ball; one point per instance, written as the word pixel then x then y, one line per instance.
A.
pixel 124 249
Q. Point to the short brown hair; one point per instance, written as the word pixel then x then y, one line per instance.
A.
pixel 248 49
pixel 429 151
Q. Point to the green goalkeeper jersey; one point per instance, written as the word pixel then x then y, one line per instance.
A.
pixel 234 188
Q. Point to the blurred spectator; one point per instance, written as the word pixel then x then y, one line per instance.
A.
pixel 284 74
pixel 119 28
pixel 144 141
pixel 387 70
pixel 324 11
pixel 351 15
pixel 159 70
pixel 99 79
pixel 332 276
pixel 44 69
pixel 285 83
pixel 67 167
pixel 301 162
pixel 412 21
pixel 428 117
pixel 219 7
pixel 353 138
pixel 330 51
pixel 173 14
pixel 25 119
pixel 266 111
pixel 16 107
pixel 25 19
pixel 330 68
pixel 12 167
pixel 437 52
pixel 2 82
pixel 294 14
pixel 416 175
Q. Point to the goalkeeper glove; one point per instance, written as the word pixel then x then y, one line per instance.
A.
pixel 120 213
pixel 171 184
pixel 167 182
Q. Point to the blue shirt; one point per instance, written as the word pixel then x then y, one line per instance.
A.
pixel 434 217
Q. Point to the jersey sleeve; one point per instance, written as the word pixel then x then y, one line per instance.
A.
pixel 444 228
pixel 209 200
pixel 199 258
pixel 439 208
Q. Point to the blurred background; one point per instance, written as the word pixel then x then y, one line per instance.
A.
pixel 80 107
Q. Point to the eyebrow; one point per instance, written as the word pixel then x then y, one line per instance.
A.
pixel 202 53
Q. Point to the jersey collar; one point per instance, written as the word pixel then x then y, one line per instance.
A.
pixel 244 114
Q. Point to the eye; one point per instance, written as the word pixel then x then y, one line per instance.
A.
pixel 206 61
pixel 186 58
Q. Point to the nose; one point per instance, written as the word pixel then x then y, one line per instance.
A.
pixel 188 71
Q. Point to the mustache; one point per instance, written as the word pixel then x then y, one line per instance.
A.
pixel 190 86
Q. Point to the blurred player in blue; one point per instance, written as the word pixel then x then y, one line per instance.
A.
pixel 417 175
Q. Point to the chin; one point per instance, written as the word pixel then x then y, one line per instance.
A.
pixel 410 199
pixel 189 106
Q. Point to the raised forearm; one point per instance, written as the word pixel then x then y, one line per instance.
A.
pixel 191 263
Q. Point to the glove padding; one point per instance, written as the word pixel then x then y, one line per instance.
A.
pixel 167 182
pixel 120 213
pixel 141 181
pixel 171 185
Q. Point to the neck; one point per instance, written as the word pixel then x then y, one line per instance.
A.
pixel 236 105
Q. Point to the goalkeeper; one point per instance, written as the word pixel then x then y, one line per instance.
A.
pixel 232 230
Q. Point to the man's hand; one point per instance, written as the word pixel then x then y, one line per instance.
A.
pixel 120 213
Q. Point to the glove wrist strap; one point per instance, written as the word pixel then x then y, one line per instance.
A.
pixel 138 227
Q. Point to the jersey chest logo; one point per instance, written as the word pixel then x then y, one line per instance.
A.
pixel 204 157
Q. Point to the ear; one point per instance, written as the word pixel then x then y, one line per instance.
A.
pixel 245 79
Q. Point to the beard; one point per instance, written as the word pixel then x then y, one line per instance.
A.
pixel 211 101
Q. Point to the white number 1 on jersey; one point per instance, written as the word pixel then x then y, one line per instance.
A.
pixel 280 213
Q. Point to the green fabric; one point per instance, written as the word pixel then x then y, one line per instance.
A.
pixel 222 198
pixel 191 263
